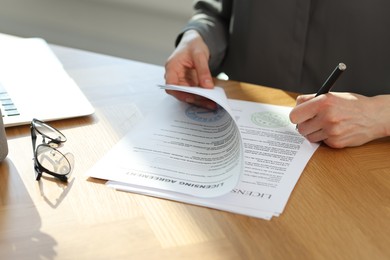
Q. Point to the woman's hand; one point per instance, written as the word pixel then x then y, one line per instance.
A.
pixel 342 119
pixel 188 66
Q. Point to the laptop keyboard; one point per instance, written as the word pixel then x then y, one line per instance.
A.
pixel 7 106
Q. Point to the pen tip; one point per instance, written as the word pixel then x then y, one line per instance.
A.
pixel 342 66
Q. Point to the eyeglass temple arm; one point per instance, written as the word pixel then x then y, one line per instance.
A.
pixel 33 138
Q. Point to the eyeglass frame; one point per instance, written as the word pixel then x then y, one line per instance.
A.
pixel 38 167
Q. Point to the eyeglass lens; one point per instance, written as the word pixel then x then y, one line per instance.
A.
pixel 49 131
pixel 52 160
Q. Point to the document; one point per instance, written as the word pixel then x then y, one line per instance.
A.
pixel 244 157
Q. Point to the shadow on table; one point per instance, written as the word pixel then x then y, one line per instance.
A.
pixel 20 223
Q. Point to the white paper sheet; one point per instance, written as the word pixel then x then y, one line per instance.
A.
pixel 248 165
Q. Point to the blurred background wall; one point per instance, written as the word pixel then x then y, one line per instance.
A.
pixel 142 30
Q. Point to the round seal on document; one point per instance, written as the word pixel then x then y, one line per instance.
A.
pixel 200 114
pixel 270 119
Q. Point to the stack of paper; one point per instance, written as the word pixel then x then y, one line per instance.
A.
pixel 245 157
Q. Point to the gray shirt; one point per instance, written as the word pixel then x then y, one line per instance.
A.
pixel 295 44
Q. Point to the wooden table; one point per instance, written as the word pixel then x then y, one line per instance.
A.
pixel 340 208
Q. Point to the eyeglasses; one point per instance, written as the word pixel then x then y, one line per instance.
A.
pixel 47 159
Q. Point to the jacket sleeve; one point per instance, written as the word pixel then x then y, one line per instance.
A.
pixel 211 19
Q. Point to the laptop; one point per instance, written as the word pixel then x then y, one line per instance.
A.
pixel 34 84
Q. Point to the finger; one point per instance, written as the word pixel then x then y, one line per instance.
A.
pixel 310 126
pixel 325 134
pixel 203 102
pixel 341 142
pixel 203 71
pixel 180 95
pixel 187 77
pixel 193 99
pixel 171 77
pixel 176 73
pixel 190 78
pixel 305 110
pixel 317 136
pixel 303 98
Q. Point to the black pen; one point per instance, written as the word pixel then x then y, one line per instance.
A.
pixel 328 84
